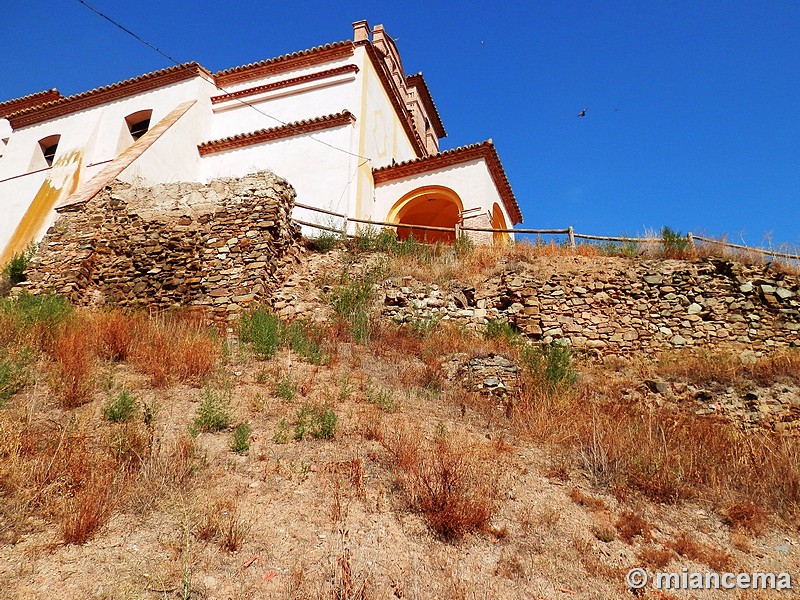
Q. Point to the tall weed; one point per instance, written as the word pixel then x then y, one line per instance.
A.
pixel 352 301
pixel 452 481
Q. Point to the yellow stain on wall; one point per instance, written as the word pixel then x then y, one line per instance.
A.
pixel 62 180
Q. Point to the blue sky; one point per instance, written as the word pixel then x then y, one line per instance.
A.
pixel 691 118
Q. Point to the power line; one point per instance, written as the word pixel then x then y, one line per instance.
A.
pixel 220 88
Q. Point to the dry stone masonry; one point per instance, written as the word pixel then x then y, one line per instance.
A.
pixel 221 246
pixel 619 306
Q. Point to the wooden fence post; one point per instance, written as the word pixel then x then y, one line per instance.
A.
pixel 571 234
pixel 690 237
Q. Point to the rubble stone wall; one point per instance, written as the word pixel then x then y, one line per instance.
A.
pixel 617 305
pixel 220 246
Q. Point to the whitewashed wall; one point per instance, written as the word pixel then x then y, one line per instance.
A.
pixel 320 175
pixel 470 180
pixel 295 103
pixel 92 136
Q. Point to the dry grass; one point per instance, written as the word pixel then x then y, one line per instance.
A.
pixel 75 476
pixel 173 349
pixel 61 474
pixel 700 368
pixel 655 557
pixel 115 336
pixel 778 366
pixel 441 264
pixel 631 525
pixel 716 558
pixel 705 367
pixel 746 515
pixel 590 502
pixel 90 506
pixel 664 453
pixel 451 480
pixel 73 371
pixel 221 522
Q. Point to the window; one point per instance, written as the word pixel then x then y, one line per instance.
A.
pixel 3 144
pixel 48 147
pixel 138 123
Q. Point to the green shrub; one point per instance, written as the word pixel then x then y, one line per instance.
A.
pixel 463 245
pixel 550 364
pixel 282 431
pixel 267 333
pixel 364 240
pixel 424 326
pixel 502 330
pixel 381 397
pixel 14 270
pixel 26 310
pixel 325 241
pixel 352 301
pixel 318 421
pixel 10 381
pixel 121 408
pixel 303 338
pixel 214 411
pixel 411 247
pixel 241 438
pixel 675 243
pixel 285 388
pixel 370 239
pixel 386 241
pixel 262 330
pixel 13 372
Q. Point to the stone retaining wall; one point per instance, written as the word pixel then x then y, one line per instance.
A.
pixel 221 246
pixel 617 305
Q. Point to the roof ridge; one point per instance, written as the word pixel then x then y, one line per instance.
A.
pixel 276 59
pixel 439 154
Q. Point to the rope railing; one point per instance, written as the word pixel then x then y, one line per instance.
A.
pixel 569 231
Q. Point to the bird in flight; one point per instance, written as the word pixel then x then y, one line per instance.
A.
pixel 583 112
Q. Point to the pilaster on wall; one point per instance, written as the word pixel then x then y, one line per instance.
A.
pixel 479 238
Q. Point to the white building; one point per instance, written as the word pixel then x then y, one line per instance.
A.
pixel 342 123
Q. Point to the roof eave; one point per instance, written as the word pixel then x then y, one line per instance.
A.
pixel 484 150
pixel 108 93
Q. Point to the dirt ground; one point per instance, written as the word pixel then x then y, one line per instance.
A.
pixel 330 518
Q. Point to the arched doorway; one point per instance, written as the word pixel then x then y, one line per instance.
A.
pixel 432 205
pixel 499 222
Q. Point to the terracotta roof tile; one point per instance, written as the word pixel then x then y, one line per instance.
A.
pixel 17 104
pixel 485 150
pixel 243 140
pixel 276 85
pixel 283 63
pixel 129 87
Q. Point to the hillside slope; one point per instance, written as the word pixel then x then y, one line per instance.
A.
pixel 350 441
